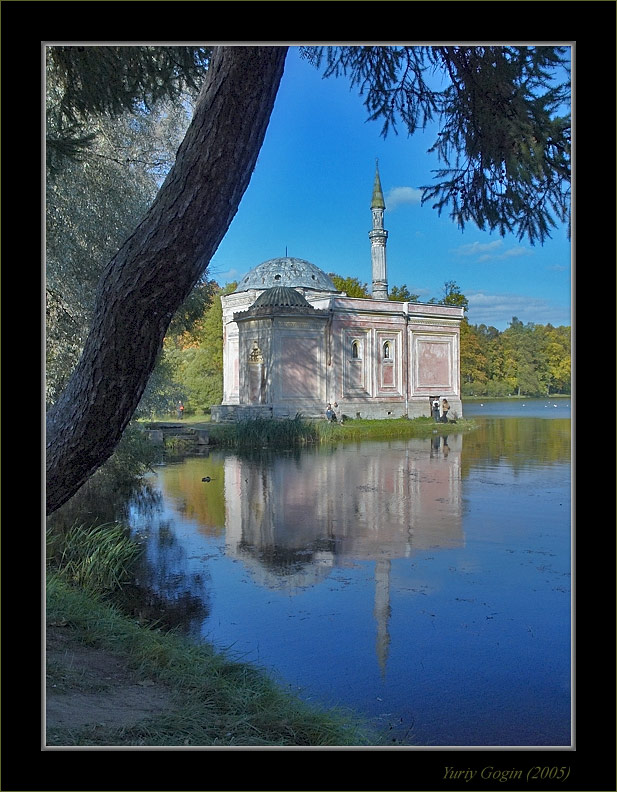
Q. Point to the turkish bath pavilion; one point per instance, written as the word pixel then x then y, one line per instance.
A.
pixel 292 343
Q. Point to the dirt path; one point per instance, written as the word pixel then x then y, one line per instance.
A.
pixel 91 687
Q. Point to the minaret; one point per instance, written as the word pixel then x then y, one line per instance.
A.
pixel 382 611
pixel 378 237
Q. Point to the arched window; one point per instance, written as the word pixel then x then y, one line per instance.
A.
pixel 386 350
pixel 355 350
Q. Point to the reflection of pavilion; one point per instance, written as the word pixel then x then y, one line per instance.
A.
pixel 293 519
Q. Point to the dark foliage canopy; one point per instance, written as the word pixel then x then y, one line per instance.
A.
pixel 86 82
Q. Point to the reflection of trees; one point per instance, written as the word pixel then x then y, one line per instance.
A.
pixel 197 500
pixel 162 590
pixel 104 498
pixel 185 611
pixel 521 442
pixel 164 580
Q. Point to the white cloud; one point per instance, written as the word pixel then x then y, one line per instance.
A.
pixel 478 248
pixel 225 276
pixel 398 196
pixel 498 309
pixel 490 251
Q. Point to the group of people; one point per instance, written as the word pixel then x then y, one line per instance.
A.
pixel 441 416
pixel 440 412
pixel 333 412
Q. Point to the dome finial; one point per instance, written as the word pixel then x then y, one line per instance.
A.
pixel 377 201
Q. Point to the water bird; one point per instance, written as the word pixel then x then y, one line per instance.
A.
pixel 206 478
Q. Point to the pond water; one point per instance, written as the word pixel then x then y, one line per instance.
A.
pixel 424 584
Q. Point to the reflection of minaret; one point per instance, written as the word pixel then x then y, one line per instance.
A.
pixel 382 611
pixel 378 237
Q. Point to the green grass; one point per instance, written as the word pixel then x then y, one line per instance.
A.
pixel 216 700
pixel 292 432
pixel 97 557
pixel 393 428
pixel 297 431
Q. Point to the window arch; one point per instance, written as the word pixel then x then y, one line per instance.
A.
pixel 355 350
pixel 387 350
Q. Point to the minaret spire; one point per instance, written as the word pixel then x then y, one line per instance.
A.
pixel 378 236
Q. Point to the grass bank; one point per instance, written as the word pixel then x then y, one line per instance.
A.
pixel 214 700
pixel 292 432
pixel 210 698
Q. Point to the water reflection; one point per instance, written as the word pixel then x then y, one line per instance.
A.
pixel 291 519
pixel 292 523
pixel 420 582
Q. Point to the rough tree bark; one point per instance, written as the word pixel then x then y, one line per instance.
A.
pixel 158 265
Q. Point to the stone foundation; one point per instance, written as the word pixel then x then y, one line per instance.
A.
pixel 369 409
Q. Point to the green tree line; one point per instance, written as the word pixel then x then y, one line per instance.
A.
pixel 524 360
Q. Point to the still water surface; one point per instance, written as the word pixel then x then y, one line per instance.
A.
pixel 423 583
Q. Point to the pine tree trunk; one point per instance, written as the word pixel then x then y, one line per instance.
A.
pixel 158 265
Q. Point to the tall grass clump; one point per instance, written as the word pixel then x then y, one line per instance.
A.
pixel 267 432
pixel 96 558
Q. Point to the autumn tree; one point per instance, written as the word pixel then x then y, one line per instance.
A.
pixel 473 358
pixel 351 286
pixel 402 294
pixel 451 295
pixel 198 356
pixel 92 205
pixel 115 118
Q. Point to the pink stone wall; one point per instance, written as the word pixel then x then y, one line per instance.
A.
pixel 300 375
pixel 433 364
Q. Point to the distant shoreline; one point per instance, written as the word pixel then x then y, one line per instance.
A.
pixel 515 398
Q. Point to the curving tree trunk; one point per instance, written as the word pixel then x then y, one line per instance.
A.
pixel 158 265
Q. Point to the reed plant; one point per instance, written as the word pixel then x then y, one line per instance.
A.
pixel 97 558
pixel 266 432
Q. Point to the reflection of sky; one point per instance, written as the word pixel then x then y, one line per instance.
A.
pixel 529 408
pixel 376 577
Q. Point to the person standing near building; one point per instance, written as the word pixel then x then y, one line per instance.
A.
pixel 436 409
pixel 444 410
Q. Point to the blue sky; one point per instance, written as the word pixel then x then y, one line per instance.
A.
pixel 310 197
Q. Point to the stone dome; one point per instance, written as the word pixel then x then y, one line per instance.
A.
pixel 281 297
pixel 286 271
